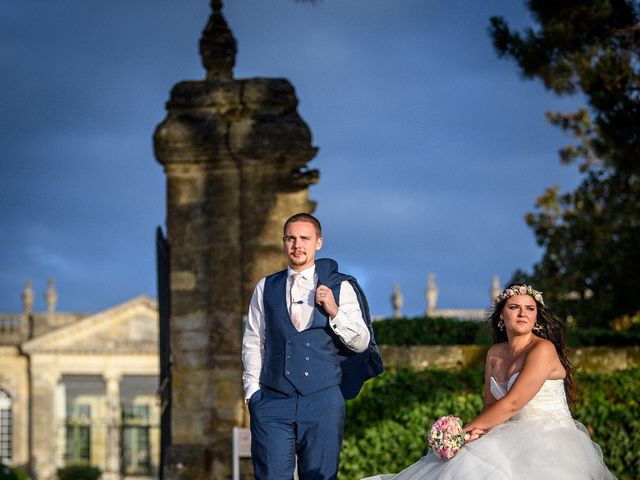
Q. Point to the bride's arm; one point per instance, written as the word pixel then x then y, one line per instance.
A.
pixel 489 399
pixel 538 366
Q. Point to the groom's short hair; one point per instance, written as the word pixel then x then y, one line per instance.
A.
pixel 304 217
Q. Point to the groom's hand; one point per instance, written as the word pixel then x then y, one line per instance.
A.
pixel 324 298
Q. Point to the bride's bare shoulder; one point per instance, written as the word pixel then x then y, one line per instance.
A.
pixel 543 345
pixel 543 350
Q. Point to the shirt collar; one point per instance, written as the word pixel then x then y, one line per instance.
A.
pixel 307 274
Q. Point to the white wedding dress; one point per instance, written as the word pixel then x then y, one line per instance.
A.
pixel 542 441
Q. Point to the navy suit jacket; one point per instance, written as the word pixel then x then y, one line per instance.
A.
pixel 357 368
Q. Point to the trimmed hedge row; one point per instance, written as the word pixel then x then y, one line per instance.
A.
pixel 602 337
pixel 10 473
pixel 71 472
pixel 387 424
pixel 79 472
pixel 431 331
pixel 448 331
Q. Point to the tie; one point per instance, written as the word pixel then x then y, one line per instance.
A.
pixel 296 301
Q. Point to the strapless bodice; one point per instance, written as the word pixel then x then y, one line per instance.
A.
pixel 550 400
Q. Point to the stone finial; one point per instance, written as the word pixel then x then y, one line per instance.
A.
pixel 27 297
pixel 397 301
pixel 495 288
pixel 51 296
pixel 218 46
pixel 432 294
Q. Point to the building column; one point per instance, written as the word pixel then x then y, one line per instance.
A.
pixel 43 420
pixel 60 417
pixel 112 383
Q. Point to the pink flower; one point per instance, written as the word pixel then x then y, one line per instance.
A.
pixel 523 290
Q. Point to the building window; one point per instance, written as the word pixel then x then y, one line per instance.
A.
pixel 136 442
pixel 78 444
pixel 6 424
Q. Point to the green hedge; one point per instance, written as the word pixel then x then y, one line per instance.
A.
pixel 431 331
pixel 450 331
pixel 609 408
pixel 79 472
pixel 602 337
pixel 387 424
pixel 10 473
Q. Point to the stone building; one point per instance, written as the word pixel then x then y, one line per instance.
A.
pixel 80 388
pixel 432 292
pixel 234 152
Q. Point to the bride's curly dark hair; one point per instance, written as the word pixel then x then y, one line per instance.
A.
pixel 552 329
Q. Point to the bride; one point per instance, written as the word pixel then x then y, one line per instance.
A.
pixel 525 430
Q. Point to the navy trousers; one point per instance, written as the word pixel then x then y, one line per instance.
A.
pixel 309 426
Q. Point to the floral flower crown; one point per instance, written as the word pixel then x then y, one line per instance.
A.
pixel 520 290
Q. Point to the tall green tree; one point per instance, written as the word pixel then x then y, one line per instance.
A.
pixel 590 267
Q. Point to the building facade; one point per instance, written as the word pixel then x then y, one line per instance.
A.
pixel 80 388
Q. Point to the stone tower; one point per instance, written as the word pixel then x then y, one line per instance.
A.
pixel 234 152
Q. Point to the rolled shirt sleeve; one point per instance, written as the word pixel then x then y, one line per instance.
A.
pixel 349 324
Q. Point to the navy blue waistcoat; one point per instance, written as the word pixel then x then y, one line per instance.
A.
pixel 303 361
pixel 315 358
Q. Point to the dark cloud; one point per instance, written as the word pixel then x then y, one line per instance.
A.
pixel 431 148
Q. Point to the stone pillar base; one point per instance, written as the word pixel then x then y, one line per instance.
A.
pixel 188 462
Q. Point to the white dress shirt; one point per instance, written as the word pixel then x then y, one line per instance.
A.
pixel 348 324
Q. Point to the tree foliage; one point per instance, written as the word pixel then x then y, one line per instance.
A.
pixel 590 236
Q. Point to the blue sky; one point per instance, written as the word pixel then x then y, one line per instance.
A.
pixel 431 148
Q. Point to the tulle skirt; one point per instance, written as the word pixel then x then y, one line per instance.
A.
pixel 517 450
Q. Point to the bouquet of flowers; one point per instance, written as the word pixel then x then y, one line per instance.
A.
pixel 446 437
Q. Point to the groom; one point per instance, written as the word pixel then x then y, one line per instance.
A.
pixel 307 346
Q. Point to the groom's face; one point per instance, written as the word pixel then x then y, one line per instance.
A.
pixel 301 242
